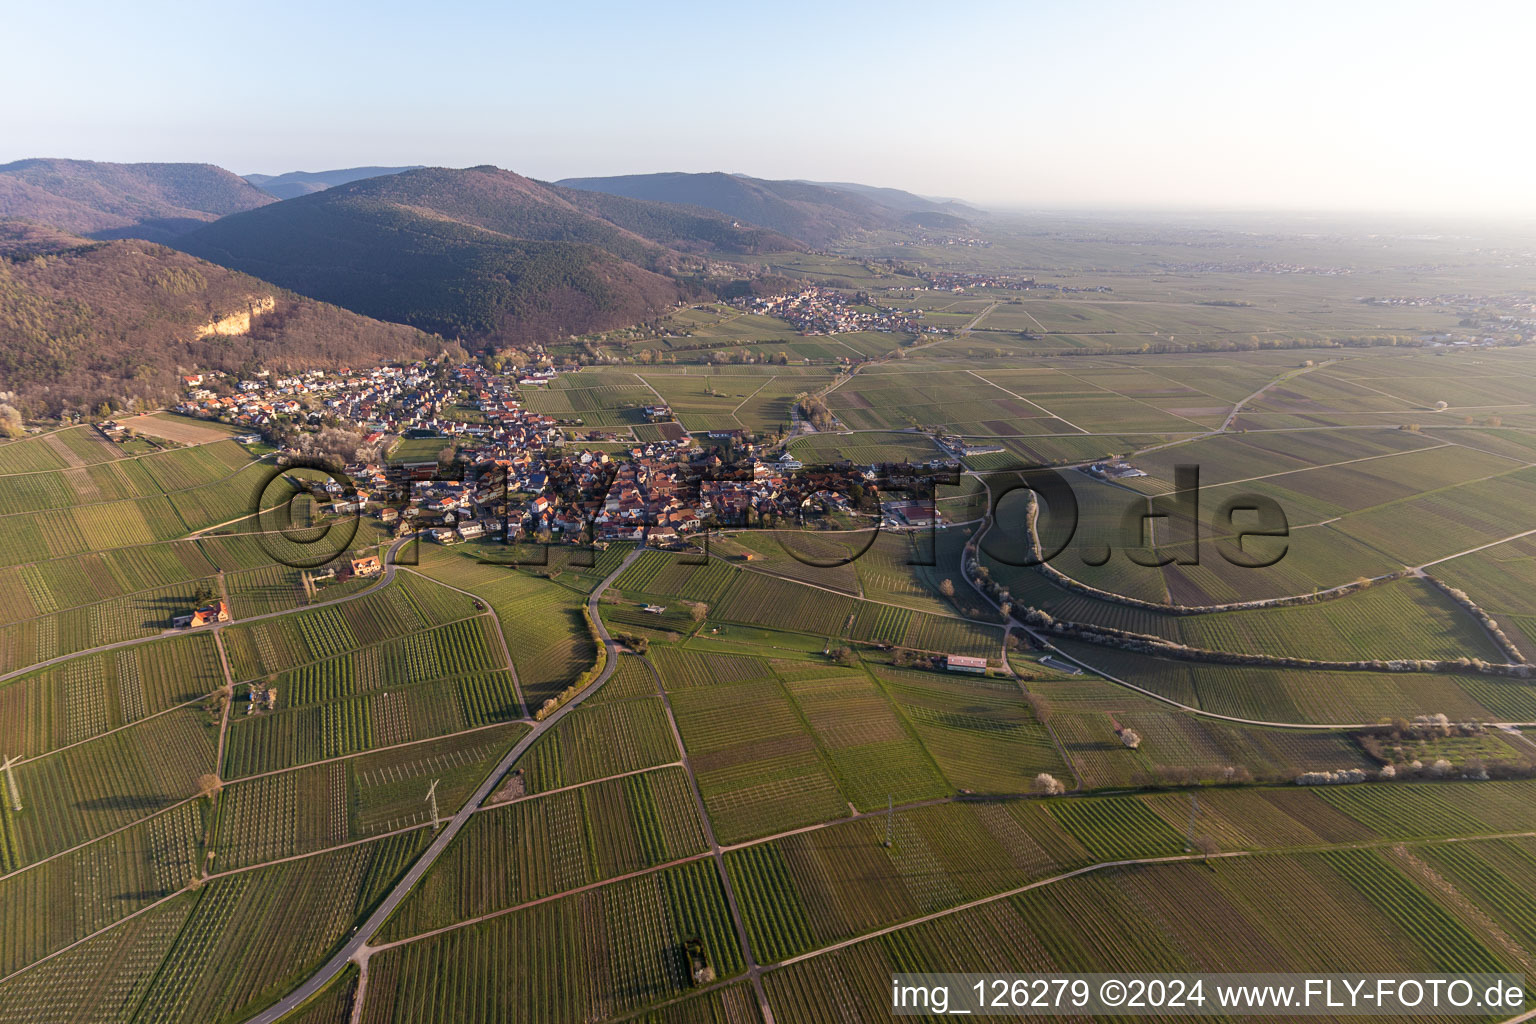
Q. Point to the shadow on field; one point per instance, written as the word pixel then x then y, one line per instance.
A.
pixel 149 802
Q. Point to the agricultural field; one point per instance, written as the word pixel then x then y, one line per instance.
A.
pixel 81 792
pixel 771 760
pixel 84 697
pixel 758 763
pixel 1361 901
pixel 542 845
pixel 600 953
pixel 302 810
pixel 982 733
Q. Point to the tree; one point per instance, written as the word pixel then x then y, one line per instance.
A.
pixel 1131 738
pixel 205 594
pixel 1207 846
pixel 10 421
pixel 947 588
pixel 1047 784
pixel 845 656
pixel 698 611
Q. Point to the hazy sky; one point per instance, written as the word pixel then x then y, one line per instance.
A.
pixel 1366 105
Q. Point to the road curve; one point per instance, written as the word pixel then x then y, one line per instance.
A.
pixel 359 937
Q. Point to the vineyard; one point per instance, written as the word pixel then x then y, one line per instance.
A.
pixel 387 718
pixel 515 853
pixel 1315 695
pixel 598 954
pixel 1189 919
pixel 276 922
pixel 88 695
pixel 597 741
pixel 461 648
pixel 146 879
pixel 761 600
pixel 272 645
pixel 83 792
pixel 874 755
pixel 49 906
pixel 982 734
pixel 758 765
pixel 311 808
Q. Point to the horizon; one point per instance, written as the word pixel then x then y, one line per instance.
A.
pixel 1382 219
pixel 1372 110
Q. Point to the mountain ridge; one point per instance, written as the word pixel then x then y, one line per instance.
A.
pixel 292 184
pixel 155 201
pixel 814 213
pixel 479 253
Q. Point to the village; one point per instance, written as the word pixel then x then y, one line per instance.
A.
pixel 511 475
pixel 817 311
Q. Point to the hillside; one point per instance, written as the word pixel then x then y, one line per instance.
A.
pixel 123 318
pixel 481 254
pixel 898 199
pixel 814 214
pixel 301 183
pixel 105 200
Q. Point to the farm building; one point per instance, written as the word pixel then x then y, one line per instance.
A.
pixel 913 513
pixel 962 663
pixel 216 612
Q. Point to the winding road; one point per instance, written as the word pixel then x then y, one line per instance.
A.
pixel 357 942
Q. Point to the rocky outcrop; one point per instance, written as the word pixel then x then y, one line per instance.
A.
pixel 239 323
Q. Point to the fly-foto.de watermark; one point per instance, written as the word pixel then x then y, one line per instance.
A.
pixel 1213 995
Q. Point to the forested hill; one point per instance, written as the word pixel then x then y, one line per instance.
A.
pixel 813 213
pixel 482 254
pixel 157 201
pixel 124 318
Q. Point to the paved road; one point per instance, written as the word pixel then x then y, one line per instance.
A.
pixel 358 940
pixel 383 581
pixel 1056 652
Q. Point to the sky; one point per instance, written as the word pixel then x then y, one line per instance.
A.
pixel 1387 105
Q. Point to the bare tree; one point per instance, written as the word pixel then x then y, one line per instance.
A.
pixel 1207 846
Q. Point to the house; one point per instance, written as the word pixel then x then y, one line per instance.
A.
pixel 368 566
pixel 655 609
pixel 961 663
pixel 216 612
pixel 471 530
